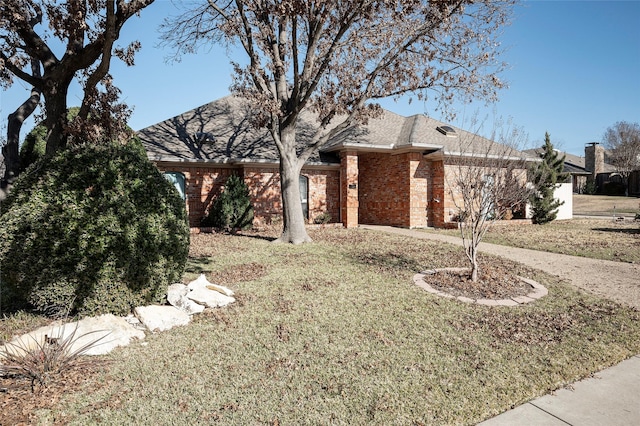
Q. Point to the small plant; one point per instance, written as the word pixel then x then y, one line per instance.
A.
pixel 40 360
pixel 232 209
pixel 322 218
pixel 590 188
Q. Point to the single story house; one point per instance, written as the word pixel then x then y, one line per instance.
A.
pixel 592 167
pixel 391 171
pixel 595 167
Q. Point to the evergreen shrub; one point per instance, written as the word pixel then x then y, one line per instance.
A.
pixel 590 188
pixel 95 229
pixel 546 176
pixel 232 209
pixel 322 218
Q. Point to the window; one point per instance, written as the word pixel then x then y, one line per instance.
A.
pixel 304 195
pixel 178 181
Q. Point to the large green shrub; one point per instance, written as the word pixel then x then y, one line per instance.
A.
pixel 232 209
pixel 95 229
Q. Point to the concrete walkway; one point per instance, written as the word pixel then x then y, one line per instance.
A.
pixel 613 280
pixel 612 396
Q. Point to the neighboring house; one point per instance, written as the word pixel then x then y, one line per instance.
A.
pixel 605 175
pixel 575 167
pixel 593 166
pixel 389 172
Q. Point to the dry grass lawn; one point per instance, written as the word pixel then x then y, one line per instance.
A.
pixel 603 238
pixel 604 205
pixel 599 239
pixel 335 332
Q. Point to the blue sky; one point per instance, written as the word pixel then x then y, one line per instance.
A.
pixel 574 71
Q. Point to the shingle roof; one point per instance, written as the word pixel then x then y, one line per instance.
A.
pixel 418 132
pixel 575 164
pixel 221 132
pixel 574 160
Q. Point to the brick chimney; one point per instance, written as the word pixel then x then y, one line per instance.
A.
pixel 594 158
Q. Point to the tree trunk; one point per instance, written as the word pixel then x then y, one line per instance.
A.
pixel 294 230
pixel 11 151
pixel 628 185
pixel 470 243
pixel 474 269
pixel 472 255
pixel 55 99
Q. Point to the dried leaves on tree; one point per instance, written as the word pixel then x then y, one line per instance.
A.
pixel 30 33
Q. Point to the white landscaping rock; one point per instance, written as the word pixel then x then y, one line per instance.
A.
pixel 161 318
pixel 107 331
pixel 210 298
pixel 203 282
pixel 203 292
pixel 177 296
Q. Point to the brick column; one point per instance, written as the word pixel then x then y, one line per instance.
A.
pixel 349 188
pixel 417 190
pixel 437 195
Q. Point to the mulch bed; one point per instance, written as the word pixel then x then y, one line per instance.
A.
pixel 19 400
pixel 494 282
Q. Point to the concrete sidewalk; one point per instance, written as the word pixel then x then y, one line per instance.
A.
pixel 623 284
pixel 612 396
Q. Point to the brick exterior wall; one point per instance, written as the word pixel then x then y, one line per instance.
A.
pixel 419 193
pixel 324 193
pixel 369 188
pixel 436 194
pixel 393 189
pixel 204 184
pixel 450 210
pixel 451 201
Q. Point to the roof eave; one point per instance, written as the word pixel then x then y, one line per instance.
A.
pixel 452 154
pixel 362 147
pixel 235 162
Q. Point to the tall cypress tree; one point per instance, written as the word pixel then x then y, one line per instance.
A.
pixel 546 176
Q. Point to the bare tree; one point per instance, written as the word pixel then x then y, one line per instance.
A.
pixel 623 140
pixel 333 57
pixel 30 30
pixel 486 181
